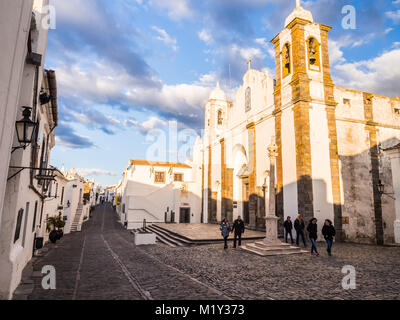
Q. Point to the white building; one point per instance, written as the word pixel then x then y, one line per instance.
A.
pixel 75 207
pixel 329 139
pixel 159 192
pixel 23 172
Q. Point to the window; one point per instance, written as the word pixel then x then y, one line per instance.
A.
pixel 178 177
pixel 248 99
pixel 34 216
pixel 396 111
pixel 19 222
pixel 25 224
pixel 160 177
pixel 220 119
pixel 313 54
pixel 347 103
pixel 56 195
pixel 62 196
pixel 286 60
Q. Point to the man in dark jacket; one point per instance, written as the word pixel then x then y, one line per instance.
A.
pixel 238 228
pixel 328 231
pixel 288 225
pixel 299 226
pixel 312 229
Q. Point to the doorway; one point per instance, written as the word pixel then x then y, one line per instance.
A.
pixel 184 216
pixel 246 191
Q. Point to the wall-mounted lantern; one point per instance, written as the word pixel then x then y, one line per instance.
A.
pixel 25 129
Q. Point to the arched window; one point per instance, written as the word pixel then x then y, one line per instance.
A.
pixel 248 99
pixel 286 60
pixel 313 54
pixel 220 118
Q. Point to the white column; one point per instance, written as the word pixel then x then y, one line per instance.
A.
pixel 394 155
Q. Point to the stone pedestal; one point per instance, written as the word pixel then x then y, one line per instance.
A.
pixel 271 245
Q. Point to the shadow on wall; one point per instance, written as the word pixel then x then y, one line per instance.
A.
pixel 364 215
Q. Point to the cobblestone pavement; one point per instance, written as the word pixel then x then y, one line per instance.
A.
pixel 245 276
pixel 101 262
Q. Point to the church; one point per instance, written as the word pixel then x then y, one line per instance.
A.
pixel 338 150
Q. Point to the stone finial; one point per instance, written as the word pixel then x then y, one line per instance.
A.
pixel 298 3
pixel 249 64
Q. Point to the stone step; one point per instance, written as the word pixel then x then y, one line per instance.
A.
pixel 265 250
pixel 166 237
pixel 261 244
pixel 171 235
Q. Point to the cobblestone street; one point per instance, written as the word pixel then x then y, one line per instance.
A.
pixel 101 262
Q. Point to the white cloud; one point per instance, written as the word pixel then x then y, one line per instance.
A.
pixel 177 9
pixel 266 46
pixel 100 83
pixel 205 35
pixel 95 172
pixel 393 15
pixel 247 53
pixel 376 75
pixel 166 38
pixel 147 126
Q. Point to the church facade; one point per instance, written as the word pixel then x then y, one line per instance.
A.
pixel 330 141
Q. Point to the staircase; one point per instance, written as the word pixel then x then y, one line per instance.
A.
pixel 77 219
pixel 167 238
pixel 262 249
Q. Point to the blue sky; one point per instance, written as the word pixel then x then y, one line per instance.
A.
pixel 125 68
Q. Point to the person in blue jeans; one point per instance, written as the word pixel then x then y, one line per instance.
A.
pixel 328 231
pixel 299 226
pixel 288 225
pixel 312 229
pixel 225 228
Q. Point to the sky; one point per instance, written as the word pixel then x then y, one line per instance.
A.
pixel 128 69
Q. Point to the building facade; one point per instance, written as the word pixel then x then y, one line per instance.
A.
pixel 329 139
pixel 159 192
pixel 25 173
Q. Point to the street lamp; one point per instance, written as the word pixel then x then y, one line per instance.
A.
pixel 25 129
pixel 381 188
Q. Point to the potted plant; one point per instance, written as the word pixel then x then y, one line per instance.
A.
pixel 51 228
pixel 54 226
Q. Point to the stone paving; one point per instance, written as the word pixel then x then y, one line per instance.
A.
pixel 101 262
pixel 199 231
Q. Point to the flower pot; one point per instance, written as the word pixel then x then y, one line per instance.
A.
pixel 60 234
pixel 53 236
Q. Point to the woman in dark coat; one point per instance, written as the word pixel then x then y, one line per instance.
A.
pixel 312 229
pixel 328 231
pixel 225 228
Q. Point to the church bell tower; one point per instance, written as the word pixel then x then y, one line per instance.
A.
pixel 307 163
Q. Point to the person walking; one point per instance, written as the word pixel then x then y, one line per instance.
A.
pixel 225 228
pixel 238 229
pixel 312 229
pixel 288 225
pixel 328 231
pixel 299 226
